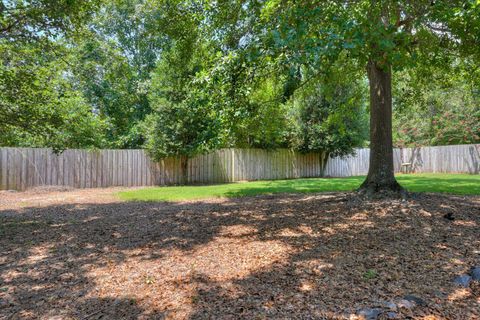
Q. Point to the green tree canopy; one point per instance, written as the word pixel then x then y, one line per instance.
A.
pixel 39 106
pixel 185 77
pixel 437 106
pixel 379 36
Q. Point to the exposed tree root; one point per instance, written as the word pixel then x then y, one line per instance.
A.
pixel 374 190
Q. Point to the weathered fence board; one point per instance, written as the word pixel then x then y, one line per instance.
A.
pixel 23 168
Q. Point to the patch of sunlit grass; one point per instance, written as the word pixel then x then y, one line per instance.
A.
pixel 462 184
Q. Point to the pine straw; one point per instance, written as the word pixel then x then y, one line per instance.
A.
pixel 291 256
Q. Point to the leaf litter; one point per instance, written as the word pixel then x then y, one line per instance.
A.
pixel 83 254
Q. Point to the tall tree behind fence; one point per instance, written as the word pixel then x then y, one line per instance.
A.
pixel 23 168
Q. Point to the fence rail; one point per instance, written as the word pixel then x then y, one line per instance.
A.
pixel 23 168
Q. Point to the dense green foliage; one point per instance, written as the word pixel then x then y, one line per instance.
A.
pixel 417 40
pixel 113 65
pixel 186 77
pixel 183 122
pixel 39 103
pixel 41 20
pixel 172 77
pixel 465 184
pixel 437 107
pixel 332 114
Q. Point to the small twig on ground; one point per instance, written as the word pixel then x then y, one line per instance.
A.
pixel 91 314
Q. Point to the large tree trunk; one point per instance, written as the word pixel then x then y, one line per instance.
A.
pixel 380 176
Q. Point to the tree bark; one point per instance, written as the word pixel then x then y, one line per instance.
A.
pixel 184 169
pixel 323 162
pixel 380 176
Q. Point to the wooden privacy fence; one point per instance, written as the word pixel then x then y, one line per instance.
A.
pixel 445 159
pixel 440 159
pixel 23 168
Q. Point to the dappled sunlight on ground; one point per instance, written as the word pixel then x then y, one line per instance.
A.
pixel 312 256
pixel 172 280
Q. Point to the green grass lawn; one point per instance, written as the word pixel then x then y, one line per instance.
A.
pixel 446 183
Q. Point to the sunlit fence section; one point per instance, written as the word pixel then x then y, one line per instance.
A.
pixel 23 168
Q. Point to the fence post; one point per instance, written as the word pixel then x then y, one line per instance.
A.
pixel 233 164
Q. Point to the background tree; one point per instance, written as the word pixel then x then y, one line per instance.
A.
pixel 184 122
pixel 42 20
pixel 331 116
pixel 40 107
pixel 38 104
pixel 113 65
pixel 437 106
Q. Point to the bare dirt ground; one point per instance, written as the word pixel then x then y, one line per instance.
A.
pixel 83 254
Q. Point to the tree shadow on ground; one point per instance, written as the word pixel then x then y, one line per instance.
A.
pixel 302 256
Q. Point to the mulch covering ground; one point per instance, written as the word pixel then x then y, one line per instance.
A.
pixel 85 255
